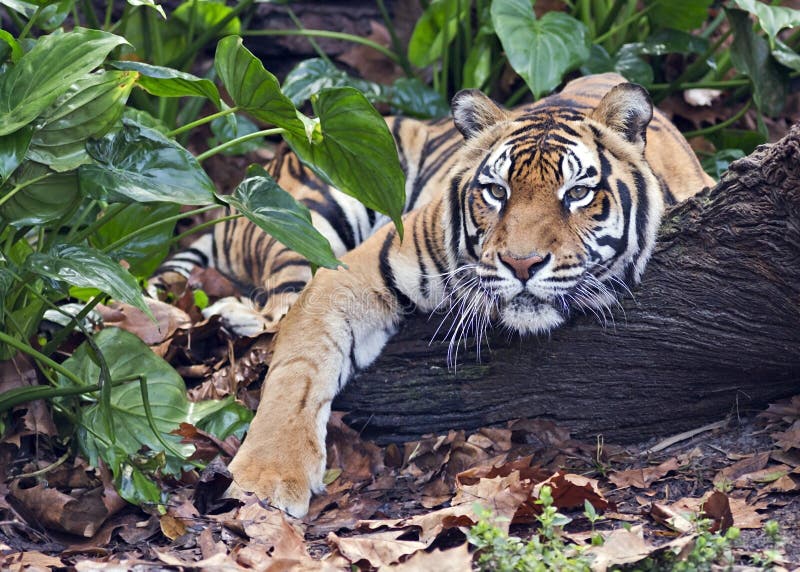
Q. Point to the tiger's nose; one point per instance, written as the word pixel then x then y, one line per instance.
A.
pixel 524 268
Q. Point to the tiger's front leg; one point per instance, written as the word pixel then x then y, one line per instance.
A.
pixel 339 324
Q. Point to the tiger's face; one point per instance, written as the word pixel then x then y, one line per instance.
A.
pixel 560 207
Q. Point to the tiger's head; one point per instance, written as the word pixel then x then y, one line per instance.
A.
pixel 558 206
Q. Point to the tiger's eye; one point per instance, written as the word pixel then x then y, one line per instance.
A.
pixel 498 192
pixel 577 193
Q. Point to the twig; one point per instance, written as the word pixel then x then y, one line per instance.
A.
pixel 670 441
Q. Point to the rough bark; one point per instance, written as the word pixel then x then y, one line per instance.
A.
pixel 714 328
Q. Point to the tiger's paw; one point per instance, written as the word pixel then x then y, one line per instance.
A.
pixel 240 317
pixel 289 491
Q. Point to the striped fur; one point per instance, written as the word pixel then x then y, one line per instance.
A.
pixel 523 218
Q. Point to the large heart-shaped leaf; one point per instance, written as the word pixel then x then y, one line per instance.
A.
pixel 90 108
pixel 253 88
pixel 750 55
pixel 127 357
pixel 678 14
pixel 12 149
pixel 274 210
pixel 772 19
pixel 413 98
pixel 47 71
pixel 540 51
pixel 357 153
pixel 435 30
pixel 138 164
pixel 204 15
pixel 44 196
pixel 168 82
pixel 87 267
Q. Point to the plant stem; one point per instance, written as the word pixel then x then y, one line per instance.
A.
pixel 299 25
pixel 91 17
pixel 625 23
pixel 62 334
pixel 329 34
pixel 691 71
pixel 21 186
pixel 396 45
pixel 718 126
pixel 202 121
pixel 107 21
pixel 112 211
pixel 127 238
pixel 517 95
pixel 249 137
pixel 203 226
pixel 611 16
pixel 30 23
pixel 702 84
pixel 27 349
pixel 193 48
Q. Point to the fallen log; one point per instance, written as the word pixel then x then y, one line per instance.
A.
pixel 713 329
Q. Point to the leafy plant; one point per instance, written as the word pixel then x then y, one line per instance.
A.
pixel 87 182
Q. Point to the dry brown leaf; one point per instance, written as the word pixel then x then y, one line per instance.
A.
pixel 570 491
pixel 718 508
pixel 670 518
pixel 379 549
pixel 172 527
pixel 621 546
pixel 358 460
pixel 643 478
pixel 168 319
pixel 18 372
pixel 784 484
pixel 765 475
pixel 744 515
pixel 82 514
pixel 371 64
pixel 502 469
pixel 270 526
pixel 29 560
pixel 454 560
pixel 431 525
pixel 502 495
pixel 789 439
pixel 748 465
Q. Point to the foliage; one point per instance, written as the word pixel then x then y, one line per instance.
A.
pixel 545 551
pixel 90 191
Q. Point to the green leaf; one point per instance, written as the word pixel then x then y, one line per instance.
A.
pixel 543 50
pixel 127 356
pixel 436 29
pixel 772 19
pixel 412 97
pixel 168 82
pixel 147 250
pixel 274 210
pixel 54 15
pixel 254 89
pixel 750 55
pixel 786 55
pixel 149 4
pixel 718 163
pixel 315 74
pixel 625 62
pixel 207 14
pixel 47 71
pixel 231 418
pixel 357 153
pixel 138 164
pixel 13 46
pixel 669 41
pixel 231 127
pixel 90 108
pixel 742 139
pixel 12 149
pixel 89 268
pixel 45 195
pixel 478 65
pixel 678 14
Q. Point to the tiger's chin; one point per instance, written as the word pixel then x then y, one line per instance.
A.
pixel 527 314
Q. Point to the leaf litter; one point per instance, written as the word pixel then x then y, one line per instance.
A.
pixel 402 506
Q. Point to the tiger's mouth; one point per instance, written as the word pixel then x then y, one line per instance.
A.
pixel 527 313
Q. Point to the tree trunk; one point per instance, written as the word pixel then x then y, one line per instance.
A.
pixel 713 329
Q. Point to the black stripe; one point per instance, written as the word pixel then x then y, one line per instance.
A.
pixel 286 287
pixel 332 212
pixel 388 274
pixel 287 264
pixel 455 215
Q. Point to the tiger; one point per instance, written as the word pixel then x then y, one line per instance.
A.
pixel 520 217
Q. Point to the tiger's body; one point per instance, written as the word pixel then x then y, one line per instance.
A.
pixel 518 217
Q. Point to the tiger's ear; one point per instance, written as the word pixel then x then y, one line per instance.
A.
pixel 473 112
pixel 627 109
